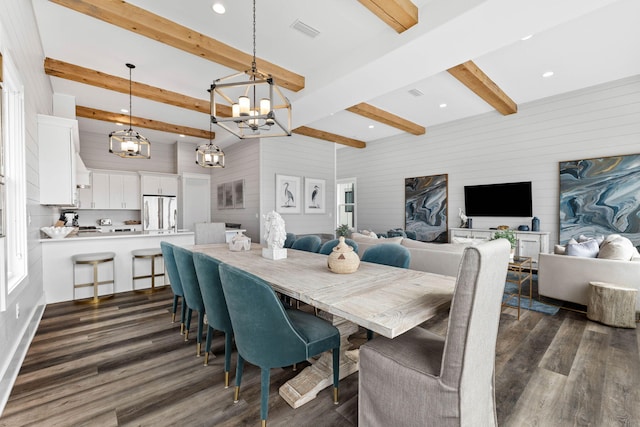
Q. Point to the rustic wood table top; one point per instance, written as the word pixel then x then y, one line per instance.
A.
pixel 386 300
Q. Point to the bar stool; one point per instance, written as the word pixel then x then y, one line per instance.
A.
pixel 152 254
pixel 94 259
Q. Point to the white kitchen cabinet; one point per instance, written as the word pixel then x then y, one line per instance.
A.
pixel 57 139
pixel 124 191
pixel 159 184
pixel 111 190
pixel 529 243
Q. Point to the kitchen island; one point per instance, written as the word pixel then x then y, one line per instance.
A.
pixel 57 268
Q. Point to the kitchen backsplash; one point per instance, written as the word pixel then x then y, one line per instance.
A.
pixel 118 217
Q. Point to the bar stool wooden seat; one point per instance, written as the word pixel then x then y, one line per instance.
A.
pixel 151 254
pixel 94 259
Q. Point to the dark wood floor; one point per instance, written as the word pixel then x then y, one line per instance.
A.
pixel 124 363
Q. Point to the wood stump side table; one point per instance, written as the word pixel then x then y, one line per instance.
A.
pixel 612 304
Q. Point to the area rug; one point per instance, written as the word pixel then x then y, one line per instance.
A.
pixel 510 297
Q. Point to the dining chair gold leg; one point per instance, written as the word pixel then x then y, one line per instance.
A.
pixel 226 379
pixel 186 335
pixel 206 359
pixel 236 395
pixel 173 318
pixel 181 328
pixel 264 423
pixel 198 345
pixel 335 395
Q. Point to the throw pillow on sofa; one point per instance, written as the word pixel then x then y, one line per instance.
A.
pixel 617 247
pixel 588 249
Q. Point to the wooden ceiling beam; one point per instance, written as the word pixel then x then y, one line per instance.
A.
pixel 375 113
pixel 475 79
pixel 398 14
pixel 107 116
pixel 328 136
pixel 145 23
pixel 64 70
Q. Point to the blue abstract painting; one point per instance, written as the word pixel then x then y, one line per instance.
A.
pixel 426 207
pixel 599 197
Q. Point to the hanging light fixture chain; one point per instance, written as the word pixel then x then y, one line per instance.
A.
pixel 253 63
pixel 130 68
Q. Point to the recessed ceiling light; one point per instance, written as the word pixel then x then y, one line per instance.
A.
pixel 119 124
pixel 527 37
pixel 181 136
pixel 547 74
pixel 371 126
pixel 443 105
pixel 124 110
pixel 218 8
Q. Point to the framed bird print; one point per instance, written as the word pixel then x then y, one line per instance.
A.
pixel 314 199
pixel 288 194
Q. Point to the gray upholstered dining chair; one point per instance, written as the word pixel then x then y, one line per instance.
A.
pixel 176 285
pixel 309 243
pixel 215 307
pixel 269 336
pixel 189 280
pixel 327 247
pixel 421 378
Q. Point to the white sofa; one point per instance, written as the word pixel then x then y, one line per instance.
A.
pixel 565 275
pixel 439 258
pixel 567 278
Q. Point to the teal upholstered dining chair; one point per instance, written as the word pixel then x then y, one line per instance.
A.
pixel 308 243
pixel 189 279
pixel 291 237
pixel 421 378
pixel 215 307
pixel 390 254
pixel 269 336
pixel 328 246
pixel 176 285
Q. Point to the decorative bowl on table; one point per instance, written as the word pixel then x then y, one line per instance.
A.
pixel 57 232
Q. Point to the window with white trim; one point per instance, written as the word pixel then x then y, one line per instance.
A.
pixel 346 191
pixel 15 177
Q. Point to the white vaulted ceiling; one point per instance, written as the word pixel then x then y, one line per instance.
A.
pixel 355 58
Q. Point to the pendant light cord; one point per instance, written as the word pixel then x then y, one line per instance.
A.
pixel 253 63
pixel 131 67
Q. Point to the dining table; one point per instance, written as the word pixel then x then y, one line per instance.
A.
pixel 386 300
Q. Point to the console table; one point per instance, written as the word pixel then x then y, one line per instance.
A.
pixel 530 243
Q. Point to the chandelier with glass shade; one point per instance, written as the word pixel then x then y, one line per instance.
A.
pixel 209 155
pixel 257 105
pixel 129 144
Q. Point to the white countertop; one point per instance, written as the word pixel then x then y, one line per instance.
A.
pixel 94 235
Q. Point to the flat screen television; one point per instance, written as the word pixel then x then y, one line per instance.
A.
pixel 512 199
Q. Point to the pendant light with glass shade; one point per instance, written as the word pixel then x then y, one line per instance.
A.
pixel 258 107
pixel 129 144
pixel 209 155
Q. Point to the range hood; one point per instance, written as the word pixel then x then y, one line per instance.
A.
pixel 83 177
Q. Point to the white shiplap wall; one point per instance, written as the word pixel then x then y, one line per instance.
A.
pixel 595 122
pixel 304 157
pixel 19 41
pixel 242 161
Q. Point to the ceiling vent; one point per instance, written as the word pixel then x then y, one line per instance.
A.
pixel 304 28
pixel 416 92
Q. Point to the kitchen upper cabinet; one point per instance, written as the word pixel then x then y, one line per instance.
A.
pixel 57 140
pixel 124 191
pixel 111 190
pixel 159 184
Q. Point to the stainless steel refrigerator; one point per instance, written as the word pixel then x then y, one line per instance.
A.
pixel 159 213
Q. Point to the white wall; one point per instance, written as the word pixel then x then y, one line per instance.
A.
pixel 303 157
pixel 595 122
pixel 19 41
pixel 242 161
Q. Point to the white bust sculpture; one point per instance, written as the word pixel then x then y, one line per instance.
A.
pixel 275 233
